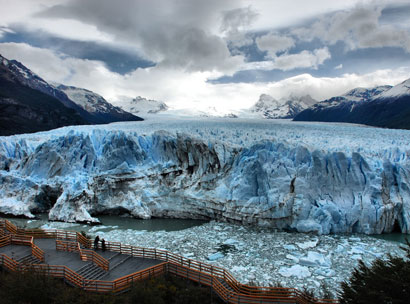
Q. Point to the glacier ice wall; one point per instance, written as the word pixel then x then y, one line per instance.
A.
pixel 82 173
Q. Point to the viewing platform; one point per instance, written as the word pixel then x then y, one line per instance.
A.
pixel 70 256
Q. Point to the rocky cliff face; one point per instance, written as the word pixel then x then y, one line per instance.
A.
pixel 81 174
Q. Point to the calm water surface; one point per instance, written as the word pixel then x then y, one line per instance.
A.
pixel 112 222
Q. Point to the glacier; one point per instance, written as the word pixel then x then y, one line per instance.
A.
pixel 305 177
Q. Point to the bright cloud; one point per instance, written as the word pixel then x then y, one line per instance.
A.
pixel 179 88
pixel 191 42
pixel 358 28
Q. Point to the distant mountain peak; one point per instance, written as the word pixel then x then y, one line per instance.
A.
pixel 365 94
pixel 270 108
pixel 382 106
pixel 141 105
pixel 96 104
pixel 401 89
pixel 28 108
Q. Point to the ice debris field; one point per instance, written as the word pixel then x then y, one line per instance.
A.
pixel 258 255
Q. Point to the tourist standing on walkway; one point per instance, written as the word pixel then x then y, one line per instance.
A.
pixel 96 240
pixel 103 245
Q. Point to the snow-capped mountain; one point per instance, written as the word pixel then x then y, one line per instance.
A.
pixel 350 99
pixel 141 106
pixel 96 105
pixel 25 107
pixel 270 108
pixel 382 106
pixel 402 89
pixel 14 74
pixel 27 78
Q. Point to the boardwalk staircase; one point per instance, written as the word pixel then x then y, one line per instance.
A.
pixel 91 271
pixel 90 276
pixel 29 260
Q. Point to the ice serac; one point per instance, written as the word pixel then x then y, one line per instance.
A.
pixel 82 173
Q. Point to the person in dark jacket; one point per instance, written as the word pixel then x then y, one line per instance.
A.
pixel 103 245
pixel 96 241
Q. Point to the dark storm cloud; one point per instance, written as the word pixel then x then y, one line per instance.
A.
pixel 359 27
pixel 354 61
pixel 172 33
pixel 236 19
pixel 117 60
pixel 398 14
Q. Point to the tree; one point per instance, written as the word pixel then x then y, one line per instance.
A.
pixel 384 281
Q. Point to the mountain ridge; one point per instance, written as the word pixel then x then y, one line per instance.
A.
pixel 30 104
pixel 381 106
pixel 270 108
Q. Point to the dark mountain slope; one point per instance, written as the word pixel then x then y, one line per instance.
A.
pixel 386 107
pixel 25 110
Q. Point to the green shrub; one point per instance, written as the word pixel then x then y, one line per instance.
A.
pixel 36 288
pixel 384 281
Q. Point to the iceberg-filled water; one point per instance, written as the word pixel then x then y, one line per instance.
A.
pixel 254 255
pixel 306 177
pixel 264 257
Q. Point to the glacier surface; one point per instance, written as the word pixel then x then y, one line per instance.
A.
pixel 306 177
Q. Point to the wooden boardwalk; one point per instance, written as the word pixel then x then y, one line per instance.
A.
pixel 69 255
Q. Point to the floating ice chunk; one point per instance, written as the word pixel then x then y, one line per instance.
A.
pixel 356 250
pixel 315 259
pixel 215 256
pixel 308 244
pixel 293 258
pixel 340 248
pixel 327 272
pixel 289 247
pixel 295 270
pixel 239 269
pixel 231 242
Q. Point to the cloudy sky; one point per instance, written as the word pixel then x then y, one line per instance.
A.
pixel 214 53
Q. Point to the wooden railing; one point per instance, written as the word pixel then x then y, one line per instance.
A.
pixel 210 275
pixel 85 254
pixel 28 241
pixel 90 255
pixel 123 283
pixel 9 263
pixel 37 252
pixel 5 240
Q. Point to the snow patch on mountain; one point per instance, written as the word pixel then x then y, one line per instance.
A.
pixel 140 105
pixel 402 89
pixel 350 99
pixel 269 107
pixel 88 100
